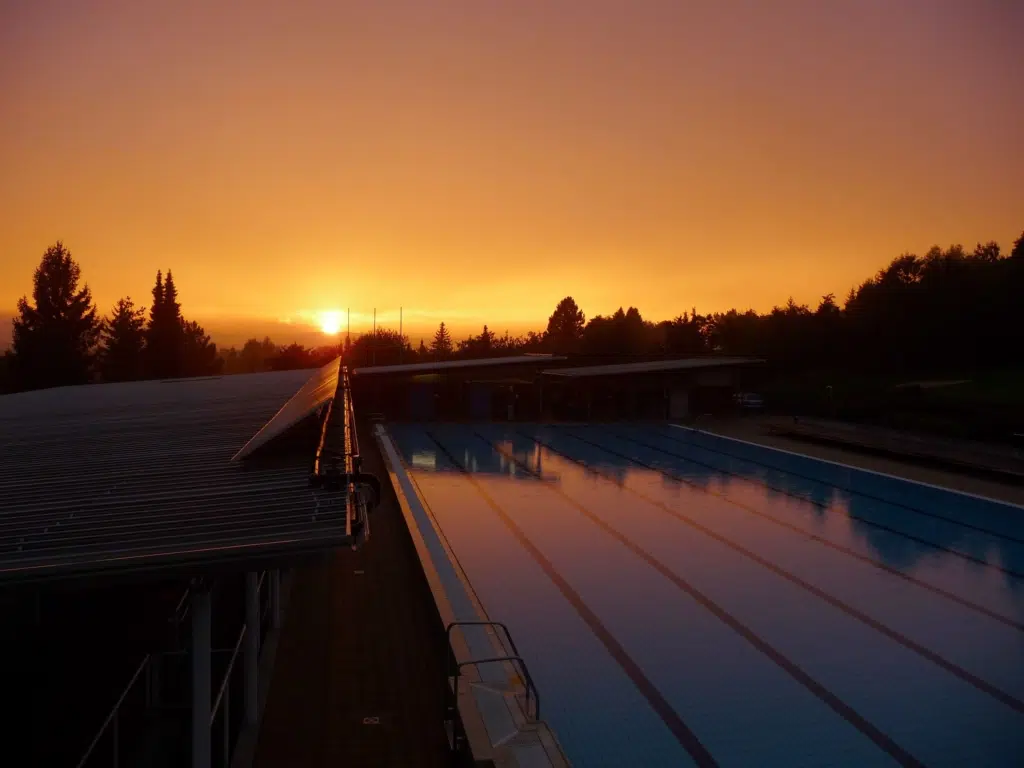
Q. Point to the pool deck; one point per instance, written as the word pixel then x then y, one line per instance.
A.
pixel 361 640
pixel 759 430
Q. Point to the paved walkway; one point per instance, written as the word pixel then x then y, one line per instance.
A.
pixel 360 672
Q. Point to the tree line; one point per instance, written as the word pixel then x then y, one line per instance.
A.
pixel 59 337
pixel 951 309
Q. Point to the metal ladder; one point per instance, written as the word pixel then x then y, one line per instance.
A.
pixel 453 723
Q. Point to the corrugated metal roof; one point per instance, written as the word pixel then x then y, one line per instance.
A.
pixel 445 365
pixel 650 366
pixel 320 388
pixel 138 476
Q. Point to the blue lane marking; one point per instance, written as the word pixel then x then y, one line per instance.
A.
pixel 686 738
pixel 935 532
pixel 917 703
pixel 878 547
pixel 998 517
pixel 743 706
pixel 682 650
pixel 918 622
pixel 599 716
pixel 894 550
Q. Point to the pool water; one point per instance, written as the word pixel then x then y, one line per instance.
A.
pixel 683 598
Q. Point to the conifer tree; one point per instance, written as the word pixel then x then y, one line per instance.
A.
pixel 441 346
pixel 122 349
pixel 55 335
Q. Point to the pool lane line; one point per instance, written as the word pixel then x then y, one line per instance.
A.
pixel 833 702
pixel 687 739
pixel 843 465
pixel 987 612
pixel 879 526
pixel 862 494
pixel 912 645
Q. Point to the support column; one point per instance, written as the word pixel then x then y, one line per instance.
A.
pixel 252 644
pixel 201 675
pixel 275 599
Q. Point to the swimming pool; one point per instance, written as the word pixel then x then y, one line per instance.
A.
pixel 683 598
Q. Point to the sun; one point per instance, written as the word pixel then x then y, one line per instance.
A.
pixel 330 322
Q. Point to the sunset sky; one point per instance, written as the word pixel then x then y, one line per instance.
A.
pixel 477 161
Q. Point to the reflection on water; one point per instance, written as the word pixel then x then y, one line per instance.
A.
pixel 420 452
pixel 814 605
pixel 898 536
pixel 895 533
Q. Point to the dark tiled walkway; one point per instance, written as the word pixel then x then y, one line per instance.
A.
pixel 362 639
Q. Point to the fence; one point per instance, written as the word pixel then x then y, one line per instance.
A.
pixel 158 694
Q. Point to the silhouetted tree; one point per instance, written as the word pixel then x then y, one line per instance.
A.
pixel 421 351
pixel 624 333
pixel 565 326
pixel 165 334
pixel 386 347
pixel 1017 252
pixel 507 344
pixel 55 337
pixel 255 355
pixel 441 346
pixel 687 334
pixel 123 343
pixel 199 353
pixel 477 346
pixel 292 357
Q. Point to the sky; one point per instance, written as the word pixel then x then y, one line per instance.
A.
pixel 476 161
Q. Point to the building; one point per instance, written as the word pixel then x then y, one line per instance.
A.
pixel 549 387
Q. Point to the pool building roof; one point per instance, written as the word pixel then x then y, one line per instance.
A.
pixel 650 366
pixel 449 365
pixel 136 477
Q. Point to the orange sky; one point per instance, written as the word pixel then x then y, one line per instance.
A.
pixel 476 161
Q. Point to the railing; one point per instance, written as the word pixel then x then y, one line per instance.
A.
pixel 179 615
pixel 150 674
pixel 337 465
pixel 113 720
pixel 455 668
pixel 222 703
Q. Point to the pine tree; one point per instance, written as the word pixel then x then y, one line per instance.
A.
pixel 170 302
pixel 54 341
pixel 200 353
pixel 165 334
pixel 121 354
pixel 441 346
pixel 565 326
pixel 486 340
pixel 421 351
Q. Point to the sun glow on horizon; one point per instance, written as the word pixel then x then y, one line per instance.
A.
pixel 330 322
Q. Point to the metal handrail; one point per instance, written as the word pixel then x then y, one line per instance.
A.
pixel 112 718
pixel 475 623
pixel 227 675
